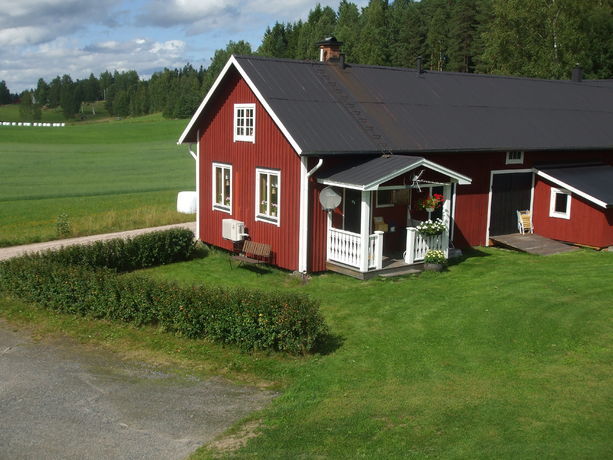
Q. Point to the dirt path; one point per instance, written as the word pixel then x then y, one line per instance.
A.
pixel 15 251
pixel 63 400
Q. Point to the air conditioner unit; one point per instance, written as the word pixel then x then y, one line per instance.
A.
pixel 232 229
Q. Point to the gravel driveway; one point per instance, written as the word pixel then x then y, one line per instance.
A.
pixel 63 400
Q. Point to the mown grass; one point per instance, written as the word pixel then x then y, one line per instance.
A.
pixel 105 176
pixel 504 356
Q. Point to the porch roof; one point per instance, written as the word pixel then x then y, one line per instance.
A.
pixel 592 181
pixel 368 174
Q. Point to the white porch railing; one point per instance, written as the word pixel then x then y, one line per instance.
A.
pixel 418 245
pixel 346 247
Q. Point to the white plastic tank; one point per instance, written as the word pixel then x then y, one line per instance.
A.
pixel 186 202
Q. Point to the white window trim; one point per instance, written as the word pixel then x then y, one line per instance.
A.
pixel 216 206
pixel 552 203
pixel 514 161
pixel 266 217
pixel 243 138
pixel 384 205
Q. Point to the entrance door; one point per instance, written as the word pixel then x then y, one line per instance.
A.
pixel 352 208
pixel 510 192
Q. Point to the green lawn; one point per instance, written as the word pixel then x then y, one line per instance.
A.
pixel 105 176
pixel 505 355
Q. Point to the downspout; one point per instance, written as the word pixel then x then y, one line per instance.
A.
pixel 316 167
pixel 195 157
pixel 189 148
pixel 304 212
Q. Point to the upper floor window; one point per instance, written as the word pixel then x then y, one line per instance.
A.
pixel 222 187
pixel 244 122
pixel 268 195
pixel 515 158
pixel 559 204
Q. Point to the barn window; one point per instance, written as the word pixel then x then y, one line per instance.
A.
pixel 268 195
pixel 244 122
pixel 385 198
pixel 515 158
pixel 559 205
pixel 222 187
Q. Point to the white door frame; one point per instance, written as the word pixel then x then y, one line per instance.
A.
pixel 489 198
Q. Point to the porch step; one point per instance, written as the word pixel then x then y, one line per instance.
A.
pixel 399 272
pixel 395 268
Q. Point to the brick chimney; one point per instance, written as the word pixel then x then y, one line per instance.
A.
pixel 329 49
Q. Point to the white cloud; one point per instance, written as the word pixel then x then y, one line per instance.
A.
pixel 200 16
pixel 64 57
pixel 32 22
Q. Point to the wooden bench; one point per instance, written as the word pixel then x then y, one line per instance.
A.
pixel 253 253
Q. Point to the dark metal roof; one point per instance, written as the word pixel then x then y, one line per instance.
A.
pixel 369 170
pixel 367 173
pixel 330 109
pixel 365 109
pixel 596 181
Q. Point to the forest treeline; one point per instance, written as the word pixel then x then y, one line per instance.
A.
pixel 531 38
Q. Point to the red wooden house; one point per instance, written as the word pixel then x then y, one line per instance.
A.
pixel 271 134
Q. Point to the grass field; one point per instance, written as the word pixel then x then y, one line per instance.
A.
pixel 10 112
pixel 104 176
pixel 505 355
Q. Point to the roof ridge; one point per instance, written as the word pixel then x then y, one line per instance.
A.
pixel 443 73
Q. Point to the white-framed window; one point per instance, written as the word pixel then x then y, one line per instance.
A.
pixel 222 187
pixel 515 158
pixel 244 122
pixel 385 198
pixel 268 195
pixel 559 204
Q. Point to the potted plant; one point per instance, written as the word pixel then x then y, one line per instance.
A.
pixel 432 227
pixel 434 260
pixel 432 202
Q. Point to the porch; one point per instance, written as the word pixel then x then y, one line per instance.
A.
pixel 373 227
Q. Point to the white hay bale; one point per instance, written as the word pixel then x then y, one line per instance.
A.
pixel 186 202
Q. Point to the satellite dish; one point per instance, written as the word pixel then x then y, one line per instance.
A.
pixel 329 198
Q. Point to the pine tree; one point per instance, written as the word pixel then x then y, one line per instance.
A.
pixel 5 94
pixel 373 45
pixel 407 33
pixel 347 31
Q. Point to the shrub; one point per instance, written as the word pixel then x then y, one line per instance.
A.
pixel 282 321
pixel 148 250
pixel 435 256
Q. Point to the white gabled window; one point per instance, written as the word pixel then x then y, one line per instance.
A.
pixel 244 122
pixel 268 195
pixel 559 204
pixel 222 187
pixel 515 158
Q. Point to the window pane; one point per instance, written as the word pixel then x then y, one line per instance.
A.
pixel 218 186
pixel 263 194
pixel 274 195
pixel 561 202
pixel 226 187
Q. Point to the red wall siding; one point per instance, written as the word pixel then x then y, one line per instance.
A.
pixel 589 224
pixel 270 150
pixel 472 200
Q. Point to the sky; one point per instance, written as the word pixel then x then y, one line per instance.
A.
pixel 46 38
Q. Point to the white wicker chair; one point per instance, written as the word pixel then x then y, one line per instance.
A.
pixel 524 222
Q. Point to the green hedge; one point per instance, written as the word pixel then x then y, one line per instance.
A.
pixel 148 250
pixel 251 319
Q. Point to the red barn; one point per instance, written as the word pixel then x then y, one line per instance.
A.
pixel 272 134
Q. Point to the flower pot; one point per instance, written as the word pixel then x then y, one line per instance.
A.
pixel 429 209
pixel 430 267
